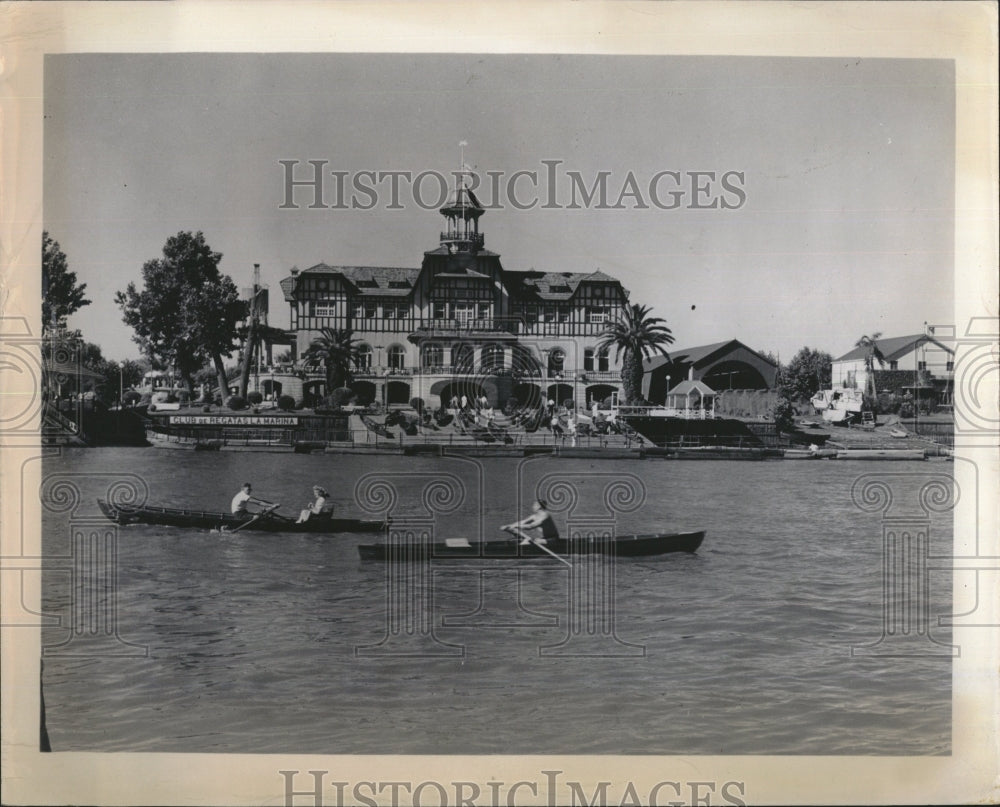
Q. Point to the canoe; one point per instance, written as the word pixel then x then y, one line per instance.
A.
pixel 621 546
pixel 200 519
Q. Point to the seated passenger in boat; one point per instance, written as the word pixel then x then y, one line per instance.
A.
pixel 318 506
pixel 540 519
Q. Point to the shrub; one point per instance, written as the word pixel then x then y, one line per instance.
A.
pixel 286 403
pixel 783 414
pixel 131 398
pixel 183 396
pixel 236 403
pixel 417 404
pixel 145 399
pixel 341 396
pixel 906 409
pixel 255 398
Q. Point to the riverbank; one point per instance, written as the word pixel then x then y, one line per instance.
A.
pixel 359 432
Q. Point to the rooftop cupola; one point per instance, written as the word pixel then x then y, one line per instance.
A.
pixel 462 214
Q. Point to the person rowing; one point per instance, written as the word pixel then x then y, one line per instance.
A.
pixel 245 497
pixel 540 519
pixel 320 497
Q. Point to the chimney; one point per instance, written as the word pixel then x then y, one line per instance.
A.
pixel 691 373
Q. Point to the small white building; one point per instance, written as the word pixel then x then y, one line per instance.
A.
pixel 920 353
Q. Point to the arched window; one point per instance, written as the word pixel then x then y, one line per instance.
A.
pixel 397 357
pixel 602 360
pixel 492 357
pixel 557 357
pixel 462 357
pixel 588 359
pixel 433 356
pixel 364 360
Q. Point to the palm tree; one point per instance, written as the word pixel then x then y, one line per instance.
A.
pixel 337 350
pixel 872 354
pixel 638 336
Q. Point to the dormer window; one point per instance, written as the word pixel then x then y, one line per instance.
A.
pixel 399 284
pixel 560 289
pixel 367 284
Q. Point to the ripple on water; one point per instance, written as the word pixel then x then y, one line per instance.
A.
pixel 746 645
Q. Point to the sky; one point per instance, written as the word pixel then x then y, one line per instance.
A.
pixel 844 226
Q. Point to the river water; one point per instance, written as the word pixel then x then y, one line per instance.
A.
pixel 250 642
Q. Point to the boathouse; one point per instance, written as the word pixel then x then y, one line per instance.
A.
pixel 721 366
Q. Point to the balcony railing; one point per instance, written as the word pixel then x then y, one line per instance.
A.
pixel 471 325
pixel 600 375
pixel 476 239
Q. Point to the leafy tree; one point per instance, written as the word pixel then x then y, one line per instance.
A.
pixel 807 373
pixel 132 372
pixel 636 335
pixel 61 295
pixel 336 350
pixel 872 354
pixel 187 311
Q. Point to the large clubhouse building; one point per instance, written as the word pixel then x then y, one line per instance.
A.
pixel 460 324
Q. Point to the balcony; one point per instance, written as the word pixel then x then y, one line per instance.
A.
pixel 503 328
pixel 475 239
pixel 596 376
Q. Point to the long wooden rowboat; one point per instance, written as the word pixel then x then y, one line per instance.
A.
pixel 272 522
pixel 621 546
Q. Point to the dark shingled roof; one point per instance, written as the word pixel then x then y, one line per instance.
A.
pixel 552 285
pixel 381 281
pixel 895 347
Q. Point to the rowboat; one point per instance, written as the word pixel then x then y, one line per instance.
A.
pixel 646 545
pixel 271 522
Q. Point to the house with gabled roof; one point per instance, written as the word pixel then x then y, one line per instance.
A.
pixel 926 355
pixel 461 323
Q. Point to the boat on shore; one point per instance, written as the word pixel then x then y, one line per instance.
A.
pixel 202 519
pixel 838 405
pixel 645 545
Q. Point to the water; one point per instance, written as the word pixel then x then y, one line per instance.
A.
pixel 251 637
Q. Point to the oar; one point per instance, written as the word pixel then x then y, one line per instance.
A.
pixel 545 549
pixel 257 517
